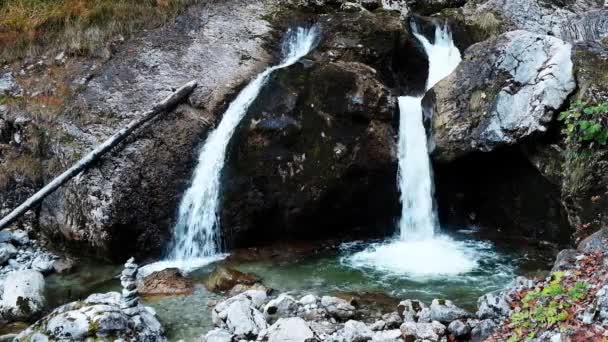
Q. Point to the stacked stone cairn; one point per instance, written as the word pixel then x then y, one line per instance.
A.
pixel 130 299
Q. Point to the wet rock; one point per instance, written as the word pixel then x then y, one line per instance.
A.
pixel 483 330
pixel 444 311
pixel 459 329
pixel 43 263
pixel 23 296
pixel 20 237
pixel 338 308
pixel 7 251
pixel 283 306
pixel 240 288
pixel 565 260
pixel 95 319
pixel 166 282
pixel 506 89
pixel 422 331
pixel 293 329
pixel 224 279
pixel 63 265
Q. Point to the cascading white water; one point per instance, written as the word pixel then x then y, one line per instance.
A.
pixel 418 218
pixel 196 234
pixel 419 251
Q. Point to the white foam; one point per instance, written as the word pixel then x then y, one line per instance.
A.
pixel 435 257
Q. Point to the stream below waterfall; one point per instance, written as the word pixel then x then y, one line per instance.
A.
pixel 329 272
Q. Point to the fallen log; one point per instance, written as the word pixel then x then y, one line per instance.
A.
pixel 168 103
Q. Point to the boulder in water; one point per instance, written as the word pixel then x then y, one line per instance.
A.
pixel 223 279
pixel 166 282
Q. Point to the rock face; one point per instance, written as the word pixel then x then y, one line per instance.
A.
pixel 126 205
pixel 316 153
pixel 505 90
pixel 568 20
pixel 22 296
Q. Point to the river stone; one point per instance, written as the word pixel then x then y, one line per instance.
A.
pixel 243 320
pixel 217 335
pixel 493 305
pixel 7 251
pixel 224 279
pixel 23 295
pixel 293 329
pixel 483 330
pixel 166 282
pixel 357 331
pixel 283 306
pixel 393 335
pixel 445 311
pixel 309 300
pixel 506 89
pixel 338 308
pixel 459 329
pixel 424 331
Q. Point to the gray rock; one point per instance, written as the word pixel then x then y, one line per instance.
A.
pixel 356 331
pixel 8 85
pixel 281 307
pixel 565 260
pixel 7 251
pixel 506 89
pixel 483 330
pixel 422 331
pixel 20 237
pixel 242 319
pixel 393 320
pixel 338 308
pixel 459 329
pixel 602 304
pixel 23 295
pixel 446 312
pixel 99 317
pixel 493 305
pixel 217 335
pixel 594 242
pixel 423 316
pixel 293 329
pixel 5 234
pixel 43 263
pixel 393 335
pixel 309 300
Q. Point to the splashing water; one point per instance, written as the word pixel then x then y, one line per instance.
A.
pixel 420 251
pixel 196 234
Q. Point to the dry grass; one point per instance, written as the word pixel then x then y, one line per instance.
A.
pixel 28 27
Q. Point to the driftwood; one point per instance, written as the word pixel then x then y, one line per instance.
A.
pixel 169 102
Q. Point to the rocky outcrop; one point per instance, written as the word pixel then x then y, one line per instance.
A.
pixel 132 194
pixel 505 90
pixel 103 317
pixel 315 155
pixel 568 20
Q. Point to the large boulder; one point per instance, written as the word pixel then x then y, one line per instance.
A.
pixel 338 308
pixel 444 311
pixel 224 278
pixel 126 204
pixel 166 282
pixel 240 315
pixel 506 89
pixel 100 318
pixel 23 295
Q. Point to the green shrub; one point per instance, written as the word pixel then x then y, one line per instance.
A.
pixel 586 125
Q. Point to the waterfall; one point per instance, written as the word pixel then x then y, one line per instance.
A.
pixel 197 232
pixel 418 217
pixel 419 252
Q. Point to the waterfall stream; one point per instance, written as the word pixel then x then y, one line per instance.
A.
pixel 418 218
pixel 419 250
pixel 197 232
